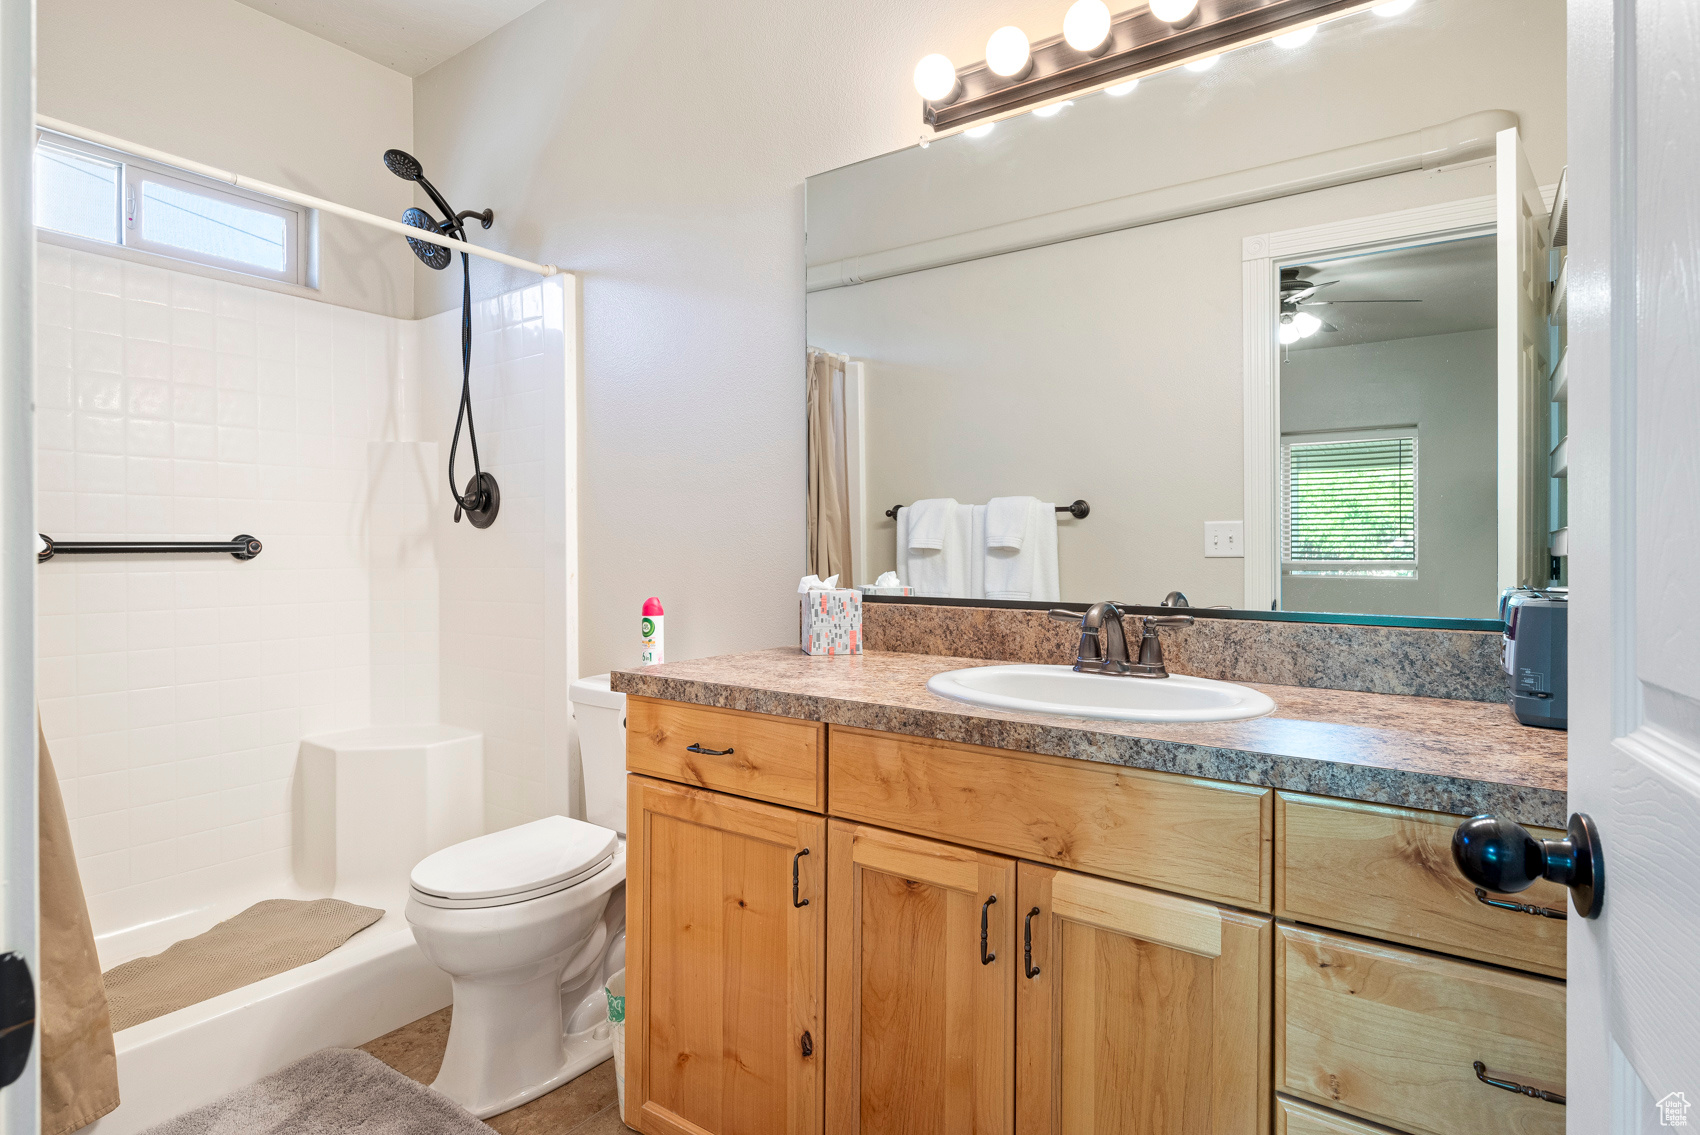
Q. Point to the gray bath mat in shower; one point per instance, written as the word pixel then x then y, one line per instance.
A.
pixel 338 1091
pixel 268 938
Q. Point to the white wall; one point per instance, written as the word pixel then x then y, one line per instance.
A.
pixel 505 602
pixel 660 147
pixel 1360 79
pixel 218 82
pixel 1445 386
pixel 174 690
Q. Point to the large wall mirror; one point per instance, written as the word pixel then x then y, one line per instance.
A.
pixel 1289 323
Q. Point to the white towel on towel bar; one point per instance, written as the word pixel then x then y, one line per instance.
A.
pixel 939 548
pixel 1021 559
pixel 1007 521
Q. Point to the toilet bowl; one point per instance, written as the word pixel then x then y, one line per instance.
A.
pixel 529 923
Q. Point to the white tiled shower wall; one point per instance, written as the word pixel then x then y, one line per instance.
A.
pixel 175 690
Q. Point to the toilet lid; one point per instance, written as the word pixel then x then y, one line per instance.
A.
pixel 551 853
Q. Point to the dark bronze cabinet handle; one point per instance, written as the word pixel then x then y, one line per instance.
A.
pixel 795 901
pixel 1027 944
pixel 1521 907
pixel 986 959
pixel 697 748
pixel 1520 1089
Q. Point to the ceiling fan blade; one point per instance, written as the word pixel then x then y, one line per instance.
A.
pixel 1329 328
pixel 1319 303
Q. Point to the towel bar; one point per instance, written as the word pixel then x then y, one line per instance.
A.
pixel 1079 510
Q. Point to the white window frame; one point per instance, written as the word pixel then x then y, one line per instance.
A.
pixel 301 224
pixel 1368 570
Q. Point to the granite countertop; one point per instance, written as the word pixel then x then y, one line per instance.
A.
pixel 1461 757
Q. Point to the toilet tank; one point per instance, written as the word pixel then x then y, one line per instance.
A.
pixel 373 802
pixel 601 716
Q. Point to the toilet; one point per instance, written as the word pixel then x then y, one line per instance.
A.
pixel 529 923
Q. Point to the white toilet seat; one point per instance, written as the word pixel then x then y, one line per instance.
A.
pixel 513 865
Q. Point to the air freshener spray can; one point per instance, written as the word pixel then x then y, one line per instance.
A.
pixel 653 647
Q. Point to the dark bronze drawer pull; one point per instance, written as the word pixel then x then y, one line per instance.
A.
pixel 1521 907
pixel 697 748
pixel 986 959
pixel 795 901
pixel 1520 1089
pixel 1027 944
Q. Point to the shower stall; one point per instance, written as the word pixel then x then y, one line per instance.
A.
pixel 181 696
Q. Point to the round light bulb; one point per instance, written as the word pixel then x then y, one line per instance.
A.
pixel 1204 64
pixel 1121 89
pixel 1296 39
pixel 981 130
pixel 935 78
pixel 1007 52
pixel 1393 8
pixel 1172 11
pixel 1052 110
pixel 1087 25
pixel 1287 333
pixel 1306 324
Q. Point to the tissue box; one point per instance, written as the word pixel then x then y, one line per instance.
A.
pixel 830 622
pixel 876 589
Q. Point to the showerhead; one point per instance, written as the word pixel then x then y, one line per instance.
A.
pixel 434 255
pixel 404 165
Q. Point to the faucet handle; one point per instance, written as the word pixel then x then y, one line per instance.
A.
pixel 1063 616
pixel 1168 620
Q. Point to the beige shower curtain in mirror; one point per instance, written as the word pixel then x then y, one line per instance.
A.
pixel 829 481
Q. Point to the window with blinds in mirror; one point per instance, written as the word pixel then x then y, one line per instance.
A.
pixel 1349 504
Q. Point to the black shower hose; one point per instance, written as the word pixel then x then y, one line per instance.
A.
pixel 475 498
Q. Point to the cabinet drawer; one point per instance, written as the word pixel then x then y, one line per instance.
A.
pixel 1388 872
pixel 778 759
pixel 1175 833
pixel 1393 1036
pixel 1295 1118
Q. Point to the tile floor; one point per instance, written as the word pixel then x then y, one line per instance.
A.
pixel 585 1106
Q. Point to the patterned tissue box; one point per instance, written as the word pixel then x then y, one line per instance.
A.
pixel 830 622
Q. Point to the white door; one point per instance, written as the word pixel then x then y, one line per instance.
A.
pixel 19 1106
pixel 1522 364
pixel 1634 993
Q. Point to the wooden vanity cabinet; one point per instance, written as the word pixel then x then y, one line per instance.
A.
pixel 957 940
pixel 920 997
pixel 1138 1011
pixel 725 963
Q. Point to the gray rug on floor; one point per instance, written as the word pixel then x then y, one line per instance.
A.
pixel 336 1091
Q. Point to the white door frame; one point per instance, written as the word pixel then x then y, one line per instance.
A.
pixel 20 1102
pixel 1264 256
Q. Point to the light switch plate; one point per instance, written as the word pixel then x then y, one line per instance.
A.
pixel 1224 539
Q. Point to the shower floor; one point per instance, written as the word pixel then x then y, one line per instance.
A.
pixel 375 982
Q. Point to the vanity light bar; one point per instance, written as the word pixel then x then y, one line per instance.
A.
pixel 1139 44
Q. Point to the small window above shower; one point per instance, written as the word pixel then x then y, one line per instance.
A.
pixel 89 195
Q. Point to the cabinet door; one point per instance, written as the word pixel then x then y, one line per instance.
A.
pixel 920 987
pixel 725 964
pixel 1139 1011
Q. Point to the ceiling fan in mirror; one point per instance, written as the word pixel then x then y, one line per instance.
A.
pixel 1298 291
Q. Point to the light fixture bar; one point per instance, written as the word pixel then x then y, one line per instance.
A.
pixel 1140 44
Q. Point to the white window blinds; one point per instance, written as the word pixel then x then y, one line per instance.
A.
pixel 1351 501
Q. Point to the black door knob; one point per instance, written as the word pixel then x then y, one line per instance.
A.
pixel 1502 856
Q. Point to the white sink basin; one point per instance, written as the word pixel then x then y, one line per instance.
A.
pixel 1058 689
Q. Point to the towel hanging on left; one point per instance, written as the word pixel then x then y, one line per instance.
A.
pixel 79 1071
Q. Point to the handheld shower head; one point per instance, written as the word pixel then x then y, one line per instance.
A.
pixel 404 165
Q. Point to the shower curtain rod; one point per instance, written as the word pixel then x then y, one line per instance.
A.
pixel 59 126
